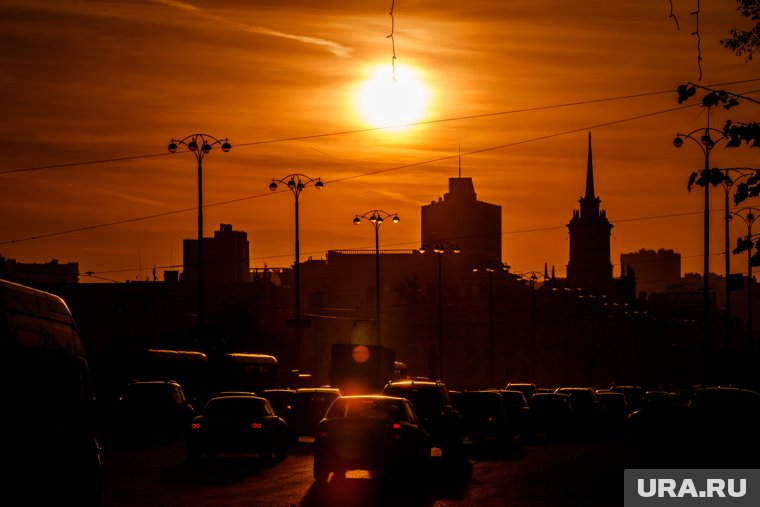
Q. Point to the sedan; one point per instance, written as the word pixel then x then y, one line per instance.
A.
pixel 238 425
pixel 370 432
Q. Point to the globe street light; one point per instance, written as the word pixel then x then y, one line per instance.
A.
pixel 532 277
pixel 749 217
pixel 490 268
pixel 440 247
pixel 376 217
pixel 727 182
pixel 297 183
pixel 706 177
pixel 199 145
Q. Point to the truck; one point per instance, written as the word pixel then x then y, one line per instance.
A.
pixel 361 369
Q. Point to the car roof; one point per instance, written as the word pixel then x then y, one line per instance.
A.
pixel 410 383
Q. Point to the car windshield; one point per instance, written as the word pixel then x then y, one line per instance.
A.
pixel 239 406
pixel 382 410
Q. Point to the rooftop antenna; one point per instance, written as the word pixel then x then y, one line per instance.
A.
pixel 460 161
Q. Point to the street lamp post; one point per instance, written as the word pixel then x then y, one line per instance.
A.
pixel 749 219
pixel 532 277
pixel 706 143
pixel 490 268
pixel 727 183
pixel 199 145
pixel 296 184
pixel 376 217
pixel 440 247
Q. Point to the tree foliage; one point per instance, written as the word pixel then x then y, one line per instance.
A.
pixel 745 42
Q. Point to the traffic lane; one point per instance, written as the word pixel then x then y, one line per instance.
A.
pixel 551 473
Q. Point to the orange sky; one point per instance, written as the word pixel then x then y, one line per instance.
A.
pixel 89 81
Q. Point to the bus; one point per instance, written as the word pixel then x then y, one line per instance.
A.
pixel 244 371
pixel 189 368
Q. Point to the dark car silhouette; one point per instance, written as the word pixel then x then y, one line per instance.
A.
pixel 238 425
pixel 51 451
pixel 553 414
pixel 307 406
pixel 486 421
pixel 278 398
pixel 150 411
pixel 436 409
pixel 371 432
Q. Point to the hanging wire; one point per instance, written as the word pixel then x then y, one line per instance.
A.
pixel 699 41
pixel 672 15
pixel 393 40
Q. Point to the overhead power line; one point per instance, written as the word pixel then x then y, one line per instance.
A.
pixel 369 129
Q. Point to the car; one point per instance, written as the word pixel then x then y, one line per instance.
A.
pixel 436 409
pixel 553 414
pixel 307 406
pixel 381 434
pixel 51 445
pixel 278 398
pixel 518 411
pixel 633 394
pixel 237 425
pixel 149 411
pixel 725 420
pixel 527 388
pixel 614 410
pixel 486 421
pixel 586 405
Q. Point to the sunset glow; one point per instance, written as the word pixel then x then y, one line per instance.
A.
pixel 505 92
pixel 392 99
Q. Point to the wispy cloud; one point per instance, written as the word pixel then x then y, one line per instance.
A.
pixel 334 47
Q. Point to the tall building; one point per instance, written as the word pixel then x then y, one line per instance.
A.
pixel 589 266
pixel 654 270
pixel 459 218
pixel 226 257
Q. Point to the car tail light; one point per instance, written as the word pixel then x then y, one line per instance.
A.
pixel 396 426
pixel 196 425
pixel 257 426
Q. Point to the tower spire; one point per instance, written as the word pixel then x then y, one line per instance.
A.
pixel 590 173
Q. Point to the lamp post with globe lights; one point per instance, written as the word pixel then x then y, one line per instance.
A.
pixel 200 145
pixel 440 248
pixel 297 183
pixel 490 268
pixel 703 139
pixel 532 277
pixel 731 176
pixel 748 215
pixel 376 217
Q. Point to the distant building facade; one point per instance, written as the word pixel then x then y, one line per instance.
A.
pixel 590 230
pixel 226 257
pixel 51 272
pixel 654 270
pixel 459 218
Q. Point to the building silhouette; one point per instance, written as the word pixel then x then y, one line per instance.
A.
pixel 654 270
pixel 589 266
pixel 226 257
pixel 460 218
pixel 45 273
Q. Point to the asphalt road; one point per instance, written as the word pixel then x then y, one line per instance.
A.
pixel 549 473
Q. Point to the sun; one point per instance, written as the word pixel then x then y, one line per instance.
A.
pixel 392 99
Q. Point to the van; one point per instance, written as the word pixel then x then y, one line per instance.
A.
pixel 51 453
